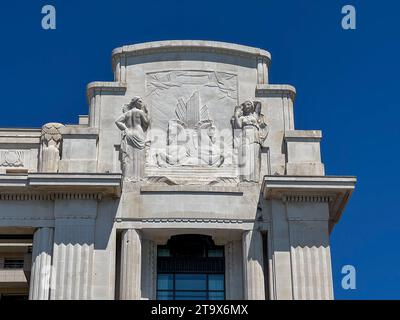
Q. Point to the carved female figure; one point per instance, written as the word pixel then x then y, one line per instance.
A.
pixel 250 132
pixel 50 147
pixel 133 123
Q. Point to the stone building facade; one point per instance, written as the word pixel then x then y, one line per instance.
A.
pixel 186 180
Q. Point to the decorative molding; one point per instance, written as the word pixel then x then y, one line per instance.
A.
pixel 201 189
pixel 98 87
pixel 187 220
pixel 66 183
pixel 163 180
pixel 282 90
pixel 189 46
pixel 308 198
pixel 20 136
pixel 29 218
pixel 49 196
pixel 301 135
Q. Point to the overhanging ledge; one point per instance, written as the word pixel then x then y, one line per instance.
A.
pixel 336 189
pixel 44 183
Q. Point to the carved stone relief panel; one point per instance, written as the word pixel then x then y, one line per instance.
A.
pixel 191 121
pixel 12 158
pixel 24 157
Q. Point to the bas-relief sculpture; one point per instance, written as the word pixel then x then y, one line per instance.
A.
pixel 195 96
pixel 190 128
pixel 133 123
pixel 191 138
pixel 12 158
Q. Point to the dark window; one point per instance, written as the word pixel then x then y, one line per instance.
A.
pixel 13 297
pixel 190 267
pixel 13 263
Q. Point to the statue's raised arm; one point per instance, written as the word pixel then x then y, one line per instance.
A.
pixel 250 132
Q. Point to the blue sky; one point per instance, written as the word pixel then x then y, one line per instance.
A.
pixel 347 84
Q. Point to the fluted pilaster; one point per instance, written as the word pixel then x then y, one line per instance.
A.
pixel 253 267
pixel 131 260
pixel 41 264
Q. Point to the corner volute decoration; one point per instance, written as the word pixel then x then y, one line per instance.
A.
pixel 50 147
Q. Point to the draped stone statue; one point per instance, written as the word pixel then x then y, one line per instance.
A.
pixel 50 139
pixel 250 131
pixel 133 123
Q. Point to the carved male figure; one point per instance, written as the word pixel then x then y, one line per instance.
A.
pixel 133 123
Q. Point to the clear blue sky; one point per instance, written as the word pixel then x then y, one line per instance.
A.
pixel 347 84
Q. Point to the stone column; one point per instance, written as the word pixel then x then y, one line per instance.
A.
pixel 131 259
pixel 41 264
pixel 253 266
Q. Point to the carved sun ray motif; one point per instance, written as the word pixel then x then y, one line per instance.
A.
pixel 190 113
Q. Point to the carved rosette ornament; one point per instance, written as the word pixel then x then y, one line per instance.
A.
pixel 51 140
pixel 250 132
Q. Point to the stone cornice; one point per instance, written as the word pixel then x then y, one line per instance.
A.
pixel 78 130
pixel 267 90
pixel 188 46
pixel 60 185
pixel 104 87
pixel 335 191
pixel 20 135
pixel 301 135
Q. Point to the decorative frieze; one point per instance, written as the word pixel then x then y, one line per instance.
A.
pixel 308 198
pixel 49 196
pixel 198 220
